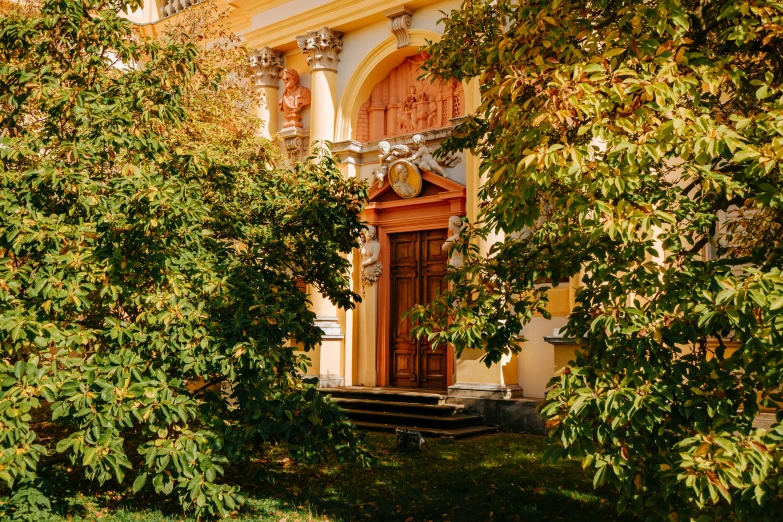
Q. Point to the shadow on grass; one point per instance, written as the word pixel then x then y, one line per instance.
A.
pixel 493 478
pixel 499 477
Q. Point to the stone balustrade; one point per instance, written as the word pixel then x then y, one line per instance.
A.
pixel 175 6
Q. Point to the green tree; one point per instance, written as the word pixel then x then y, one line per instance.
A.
pixel 637 147
pixel 150 256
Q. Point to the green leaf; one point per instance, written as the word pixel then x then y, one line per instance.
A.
pixel 89 455
pixel 140 481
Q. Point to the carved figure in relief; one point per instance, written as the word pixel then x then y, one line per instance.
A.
pixel 423 157
pixel 400 182
pixel 409 104
pixel 432 109
pixel 386 154
pixel 379 175
pixel 417 60
pixel 370 251
pixel 422 113
pixel 406 116
pixel 295 98
pixel 456 259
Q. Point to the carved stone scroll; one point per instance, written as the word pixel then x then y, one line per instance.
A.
pixel 295 141
pixel 400 21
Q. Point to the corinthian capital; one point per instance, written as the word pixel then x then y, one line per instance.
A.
pixel 266 65
pixel 321 48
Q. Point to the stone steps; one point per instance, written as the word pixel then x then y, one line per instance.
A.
pixel 385 394
pixel 438 410
pixel 407 420
pixel 385 410
pixel 457 433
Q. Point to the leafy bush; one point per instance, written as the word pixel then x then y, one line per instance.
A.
pixel 637 147
pixel 150 256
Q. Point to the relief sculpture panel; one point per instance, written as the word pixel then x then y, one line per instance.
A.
pixel 402 104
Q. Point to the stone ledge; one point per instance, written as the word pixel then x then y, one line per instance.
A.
pixel 520 415
pixel 509 414
pixel 330 328
pixel 330 381
pixel 485 391
pixel 764 421
pixel 344 148
pixel 561 340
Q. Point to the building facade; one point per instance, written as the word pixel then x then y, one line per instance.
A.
pixel 348 72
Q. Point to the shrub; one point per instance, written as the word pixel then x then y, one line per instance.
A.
pixel 635 147
pixel 150 256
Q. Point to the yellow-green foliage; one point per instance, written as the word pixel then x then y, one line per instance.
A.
pixel 621 142
pixel 149 252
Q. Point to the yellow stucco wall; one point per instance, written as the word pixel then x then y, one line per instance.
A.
pixel 369 52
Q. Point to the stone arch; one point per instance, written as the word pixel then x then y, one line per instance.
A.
pixel 374 68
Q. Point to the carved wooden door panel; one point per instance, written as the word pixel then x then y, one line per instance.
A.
pixel 433 268
pixel 418 267
pixel 404 290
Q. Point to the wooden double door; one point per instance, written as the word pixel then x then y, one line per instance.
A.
pixel 418 265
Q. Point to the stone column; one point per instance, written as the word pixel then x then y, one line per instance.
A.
pixel 377 114
pixel 266 65
pixel 321 48
pixel 473 379
pixel 394 105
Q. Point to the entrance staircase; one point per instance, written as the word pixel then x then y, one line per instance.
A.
pixel 385 410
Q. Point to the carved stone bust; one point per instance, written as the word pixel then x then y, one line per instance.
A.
pixel 295 98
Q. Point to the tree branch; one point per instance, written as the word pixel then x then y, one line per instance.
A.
pixel 212 382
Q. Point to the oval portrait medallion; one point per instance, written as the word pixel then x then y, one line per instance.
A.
pixel 405 179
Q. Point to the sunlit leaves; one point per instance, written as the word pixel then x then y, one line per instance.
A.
pixel 636 149
pixel 150 254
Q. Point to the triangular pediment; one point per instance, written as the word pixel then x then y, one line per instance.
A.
pixel 432 185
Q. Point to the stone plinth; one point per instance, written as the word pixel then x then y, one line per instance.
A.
pixel 295 142
pixel 330 368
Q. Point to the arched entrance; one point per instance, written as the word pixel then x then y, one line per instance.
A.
pixel 386 101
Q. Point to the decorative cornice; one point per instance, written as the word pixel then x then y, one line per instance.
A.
pixel 321 48
pixel 400 20
pixel 266 65
pixel 353 146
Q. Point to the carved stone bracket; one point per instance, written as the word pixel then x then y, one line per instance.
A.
pixel 295 141
pixel 400 21
pixel 266 65
pixel 321 48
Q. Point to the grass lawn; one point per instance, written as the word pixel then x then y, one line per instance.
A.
pixel 494 478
